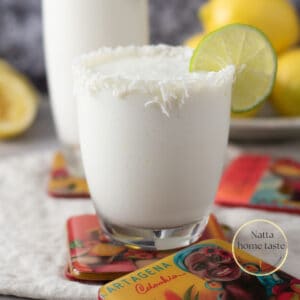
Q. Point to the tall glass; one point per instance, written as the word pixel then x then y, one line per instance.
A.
pixel 73 27
pixel 153 138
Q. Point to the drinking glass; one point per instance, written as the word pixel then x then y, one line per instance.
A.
pixel 153 138
pixel 71 28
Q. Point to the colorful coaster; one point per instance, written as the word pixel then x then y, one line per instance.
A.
pixel 205 271
pixel 62 184
pixel 258 181
pixel 93 257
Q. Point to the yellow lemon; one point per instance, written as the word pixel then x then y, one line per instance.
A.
pixel 286 93
pixel 194 40
pixel 278 19
pixel 18 102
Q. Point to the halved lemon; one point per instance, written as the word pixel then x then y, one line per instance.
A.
pixel 18 102
pixel 253 56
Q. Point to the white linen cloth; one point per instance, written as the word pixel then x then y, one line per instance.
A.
pixel 32 231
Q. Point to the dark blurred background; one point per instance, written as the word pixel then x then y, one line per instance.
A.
pixel 172 21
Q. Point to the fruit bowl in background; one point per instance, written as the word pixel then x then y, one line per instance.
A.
pixel 280 22
pixel 266 126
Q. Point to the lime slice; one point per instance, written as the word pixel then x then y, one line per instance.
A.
pixel 250 51
pixel 18 102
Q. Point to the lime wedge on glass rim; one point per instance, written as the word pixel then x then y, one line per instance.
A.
pixel 253 56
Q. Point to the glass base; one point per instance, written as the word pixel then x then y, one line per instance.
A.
pixel 156 239
pixel 72 156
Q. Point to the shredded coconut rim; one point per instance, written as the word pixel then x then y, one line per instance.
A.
pixel 92 74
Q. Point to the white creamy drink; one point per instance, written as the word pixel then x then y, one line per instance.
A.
pixel 74 27
pixel 153 138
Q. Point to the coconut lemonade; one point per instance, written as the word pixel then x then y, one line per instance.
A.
pixel 153 125
pixel 74 27
pixel 153 135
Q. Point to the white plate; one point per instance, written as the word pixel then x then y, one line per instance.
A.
pixel 265 129
pixel 267 126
